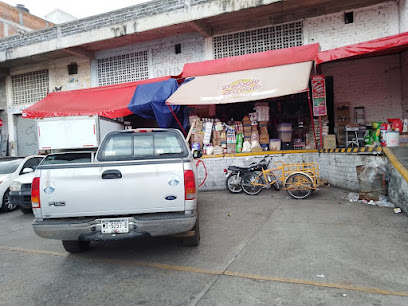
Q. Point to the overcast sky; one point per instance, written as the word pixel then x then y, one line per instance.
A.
pixel 77 8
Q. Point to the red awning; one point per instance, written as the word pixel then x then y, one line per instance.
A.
pixel 382 46
pixel 107 101
pixel 252 61
pixel 246 78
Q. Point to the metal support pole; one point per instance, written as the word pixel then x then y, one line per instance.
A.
pixel 311 117
pixel 178 121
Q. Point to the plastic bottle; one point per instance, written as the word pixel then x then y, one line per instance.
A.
pixel 240 140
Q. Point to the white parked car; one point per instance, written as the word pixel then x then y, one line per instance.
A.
pixel 11 168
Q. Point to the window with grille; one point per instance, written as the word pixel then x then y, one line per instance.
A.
pixel 123 68
pixel 258 40
pixel 29 87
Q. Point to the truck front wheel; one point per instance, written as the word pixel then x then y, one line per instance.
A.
pixel 75 246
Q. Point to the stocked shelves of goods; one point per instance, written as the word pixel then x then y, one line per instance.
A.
pixel 342 119
pixel 325 130
pixel 216 137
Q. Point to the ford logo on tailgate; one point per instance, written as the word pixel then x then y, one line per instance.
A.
pixel 170 197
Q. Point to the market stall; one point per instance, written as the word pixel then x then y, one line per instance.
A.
pixel 376 114
pixel 140 103
pixel 255 102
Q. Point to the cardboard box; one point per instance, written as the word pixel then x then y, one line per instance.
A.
pixel 256 149
pixel 263 130
pixel 216 143
pixel 329 142
pixel 231 148
pixel 216 135
pixel 199 125
pixel 263 123
pixel 198 137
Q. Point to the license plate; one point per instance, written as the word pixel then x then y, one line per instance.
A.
pixel 115 226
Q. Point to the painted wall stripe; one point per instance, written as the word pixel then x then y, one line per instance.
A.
pixel 396 163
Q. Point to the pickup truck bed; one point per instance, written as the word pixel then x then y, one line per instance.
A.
pixel 143 183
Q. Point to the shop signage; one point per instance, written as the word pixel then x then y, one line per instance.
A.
pixel 319 95
pixel 242 87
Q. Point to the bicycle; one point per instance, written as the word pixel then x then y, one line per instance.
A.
pixel 299 179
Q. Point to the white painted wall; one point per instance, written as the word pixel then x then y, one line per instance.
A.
pixel 59 77
pixel 163 60
pixel 403 15
pixel 374 83
pixel 372 22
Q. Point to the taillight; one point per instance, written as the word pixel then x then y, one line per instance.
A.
pixel 189 185
pixel 35 193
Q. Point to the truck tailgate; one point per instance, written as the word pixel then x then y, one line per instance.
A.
pixel 127 188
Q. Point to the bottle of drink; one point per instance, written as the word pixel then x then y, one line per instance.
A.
pixel 240 140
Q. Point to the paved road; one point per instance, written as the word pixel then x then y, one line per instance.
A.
pixel 261 250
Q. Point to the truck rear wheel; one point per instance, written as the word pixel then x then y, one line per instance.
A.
pixel 193 240
pixel 75 246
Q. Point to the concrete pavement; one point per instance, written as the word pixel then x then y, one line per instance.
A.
pixel 255 250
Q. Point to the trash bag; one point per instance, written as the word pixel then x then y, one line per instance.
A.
pixel 372 180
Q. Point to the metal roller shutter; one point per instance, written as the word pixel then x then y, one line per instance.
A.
pixel 27 140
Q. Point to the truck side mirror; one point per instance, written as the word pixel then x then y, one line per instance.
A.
pixel 27 170
pixel 197 153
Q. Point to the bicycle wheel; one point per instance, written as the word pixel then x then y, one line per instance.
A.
pixel 275 185
pixel 299 185
pixel 247 181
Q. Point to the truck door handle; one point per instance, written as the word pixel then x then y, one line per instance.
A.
pixel 111 174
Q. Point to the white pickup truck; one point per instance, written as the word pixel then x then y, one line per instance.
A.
pixel 143 183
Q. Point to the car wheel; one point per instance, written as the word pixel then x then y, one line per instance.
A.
pixel 6 205
pixel 26 210
pixel 75 246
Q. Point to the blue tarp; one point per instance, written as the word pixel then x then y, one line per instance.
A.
pixel 149 100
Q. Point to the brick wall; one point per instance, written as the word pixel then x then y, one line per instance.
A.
pixel 339 169
pixel 94 22
pixel 20 17
pixel 9 12
pixel 374 83
pixel 404 83
pixel 369 23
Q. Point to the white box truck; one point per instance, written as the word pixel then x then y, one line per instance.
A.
pixel 74 132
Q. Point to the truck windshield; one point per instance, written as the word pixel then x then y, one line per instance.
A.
pixel 122 146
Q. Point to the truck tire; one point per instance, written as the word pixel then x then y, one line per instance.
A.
pixel 26 210
pixel 195 239
pixel 75 246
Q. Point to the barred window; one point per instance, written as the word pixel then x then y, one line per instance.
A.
pixel 123 68
pixel 264 39
pixel 29 87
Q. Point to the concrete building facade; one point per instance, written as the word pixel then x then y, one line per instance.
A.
pixel 140 42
